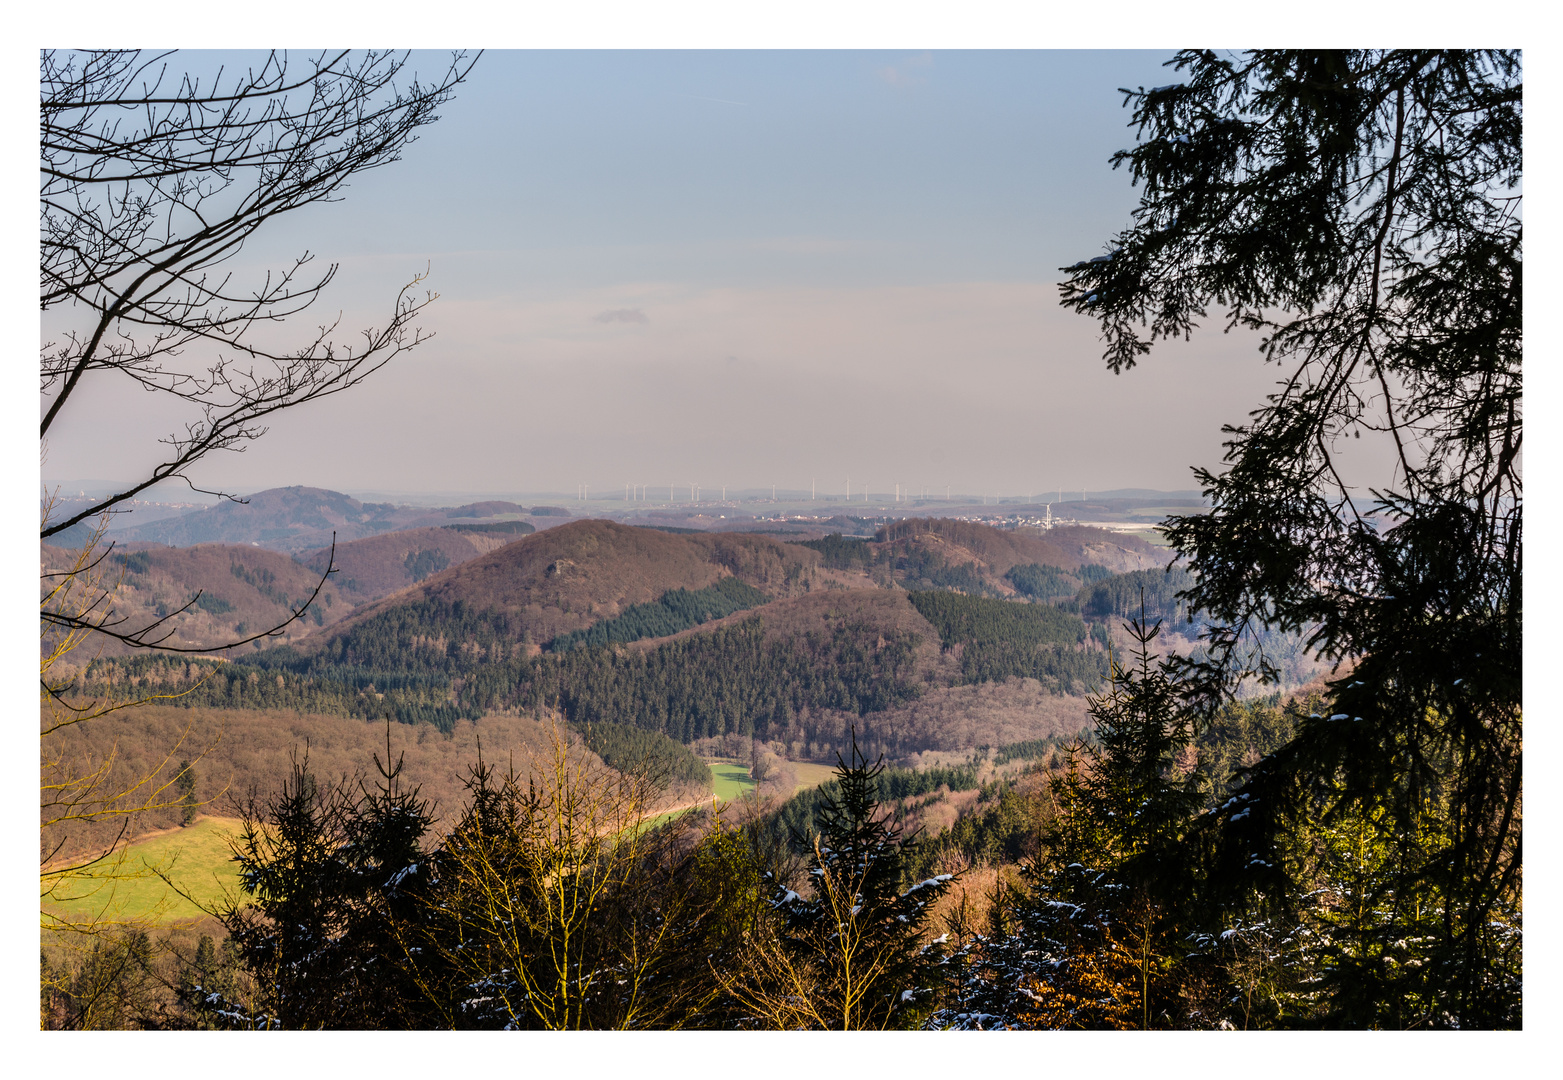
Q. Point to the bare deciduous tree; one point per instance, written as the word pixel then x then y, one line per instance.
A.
pixel 150 184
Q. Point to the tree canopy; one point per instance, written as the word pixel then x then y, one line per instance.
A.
pixel 1361 211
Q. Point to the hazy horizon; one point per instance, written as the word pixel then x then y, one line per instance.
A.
pixel 733 268
pixel 657 495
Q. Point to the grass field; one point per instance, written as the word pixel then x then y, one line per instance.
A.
pixel 198 858
pixel 812 774
pixel 731 780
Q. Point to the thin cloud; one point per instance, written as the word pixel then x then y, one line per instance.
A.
pixel 622 315
pixel 905 73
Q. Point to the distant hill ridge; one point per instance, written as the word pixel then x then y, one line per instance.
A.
pixel 999 550
pixel 298 519
pixel 568 578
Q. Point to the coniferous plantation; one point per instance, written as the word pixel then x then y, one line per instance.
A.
pixel 582 774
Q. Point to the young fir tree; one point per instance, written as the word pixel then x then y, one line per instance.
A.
pixel 329 872
pixel 188 803
pixel 554 905
pixel 1093 944
pixel 856 944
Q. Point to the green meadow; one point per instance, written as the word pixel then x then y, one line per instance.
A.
pixel 129 887
pixel 200 862
pixel 730 780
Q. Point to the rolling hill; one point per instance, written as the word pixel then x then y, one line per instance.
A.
pixel 701 634
pixel 237 591
pixel 297 519
pixel 998 551
pixel 378 565
pixel 571 576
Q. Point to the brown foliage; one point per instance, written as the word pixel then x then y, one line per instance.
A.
pixel 569 577
pixel 251 751
pixel 1100 988
pixel 376 566
pixel 258 596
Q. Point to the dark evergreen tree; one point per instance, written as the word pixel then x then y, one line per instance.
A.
pixel 189 805
pixel 859 935
pixel 329 872
pixel 1360 209
pixel 1094 943
pixel 115 987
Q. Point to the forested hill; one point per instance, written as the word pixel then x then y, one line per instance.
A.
pixel 800 671
pixel 700 635
pixel 283 519
pixel 226 591
pixel 377 566
pixel 943 553
pixel 571 577
pixel 298 519
pixel 998 550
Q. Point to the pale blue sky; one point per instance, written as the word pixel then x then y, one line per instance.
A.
pixel 833 263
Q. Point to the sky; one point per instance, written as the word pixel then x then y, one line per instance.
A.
pixel 732 269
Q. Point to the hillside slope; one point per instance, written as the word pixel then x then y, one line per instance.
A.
pixel 282 519
pixel 1000 550
pixel 376 566
pixel 296 519
pixel 571 576
pixel 241 590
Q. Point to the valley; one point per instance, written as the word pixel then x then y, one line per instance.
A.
pixel 733 671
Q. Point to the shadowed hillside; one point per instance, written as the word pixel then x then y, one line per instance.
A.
pixel 237 591
pixel 296 519
pixel 379 565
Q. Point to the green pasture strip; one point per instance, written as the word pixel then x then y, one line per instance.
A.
pixel 197 859
pixel 811 774
pixel 730 780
